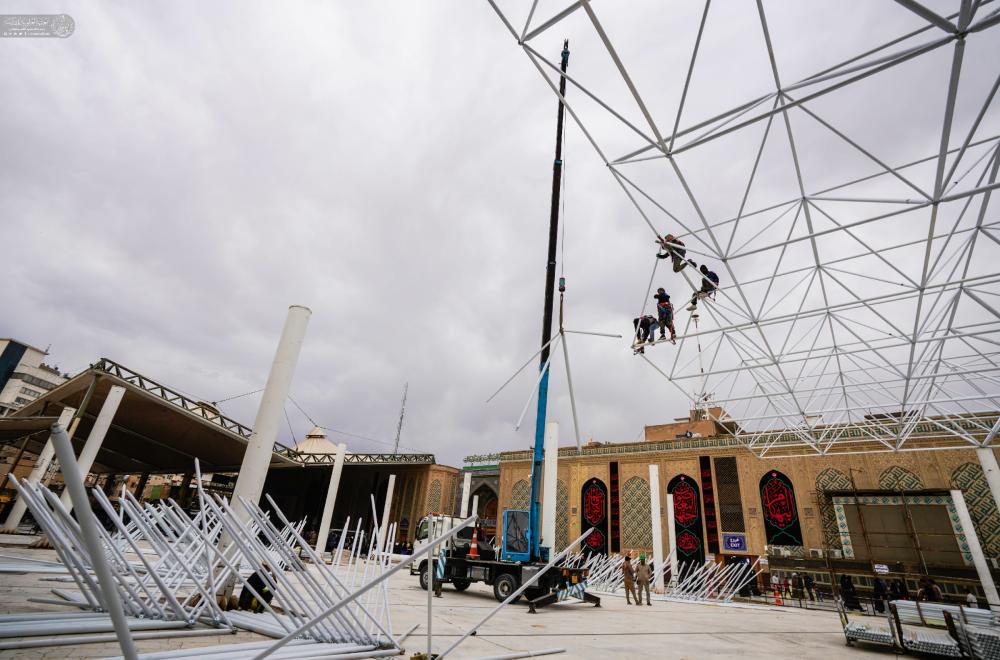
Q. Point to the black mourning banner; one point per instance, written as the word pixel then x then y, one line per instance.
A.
pixel 687 521
pixel 781 515
pixel 594 514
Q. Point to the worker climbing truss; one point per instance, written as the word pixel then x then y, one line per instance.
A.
pixel 834 166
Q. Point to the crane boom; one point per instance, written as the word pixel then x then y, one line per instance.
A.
pixel 402 412
pixel 535 509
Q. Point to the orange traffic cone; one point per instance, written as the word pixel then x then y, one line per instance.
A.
pixel 473 546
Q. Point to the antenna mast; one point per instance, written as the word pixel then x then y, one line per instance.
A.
pixel 402 412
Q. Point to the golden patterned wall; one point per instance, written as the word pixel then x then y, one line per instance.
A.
pixel 938 470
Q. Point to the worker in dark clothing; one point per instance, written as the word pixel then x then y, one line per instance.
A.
pixel 665 314
pixel 810 585
pixel 673 247
pixel 645 329
pixel 880 593
pixel 898 590
pixel 248 601
pixel 849 594
pixel 709 283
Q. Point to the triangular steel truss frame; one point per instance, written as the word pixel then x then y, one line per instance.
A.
pixel 811 349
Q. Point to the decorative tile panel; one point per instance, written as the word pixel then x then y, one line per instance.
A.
pixel 520 494
pixel 830 479
pixel 434 499
pixel 637 531
pixel 899 479
pixel 969 478
pixel 562 515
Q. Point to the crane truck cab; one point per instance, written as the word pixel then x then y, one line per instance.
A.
pixel 462 566
pixel 458 546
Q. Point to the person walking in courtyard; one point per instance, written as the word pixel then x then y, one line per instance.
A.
pixel 628 573
pixel 849 594
pixel 797 586
pixel 929 591
pixel 787 587
pixel 810 586
pixel 643 575
pixel 880 592
pixel 970 599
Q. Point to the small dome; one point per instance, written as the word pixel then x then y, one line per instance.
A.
pixel 316 443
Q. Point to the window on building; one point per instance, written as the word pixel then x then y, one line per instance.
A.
pixel 32 380
pixel 27 391
pixel 21 401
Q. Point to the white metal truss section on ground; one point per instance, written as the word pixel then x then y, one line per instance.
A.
pixel 167 568
pixel 835 167
pixel 604 572
pixel 709 583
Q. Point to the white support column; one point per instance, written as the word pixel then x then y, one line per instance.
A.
pixel 41 466
pixel 253 471
pixel 331 499
pixel 657 526
pixel 386 509
pixel 672 538
pixel 978 558
pixel 466 487
pixel 96 438
pixel 475 506
pixel 550 470
pixel 991 470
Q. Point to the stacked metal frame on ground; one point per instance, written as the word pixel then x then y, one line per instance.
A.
pixel 168 568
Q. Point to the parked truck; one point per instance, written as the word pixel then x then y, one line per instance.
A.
pixel 488 566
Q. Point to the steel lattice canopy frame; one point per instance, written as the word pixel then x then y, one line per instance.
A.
pixel 842 196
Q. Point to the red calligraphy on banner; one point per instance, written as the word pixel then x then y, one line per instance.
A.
pixel 779 502
pixel 594 505
pixel 685 504
pixel 596 540
pixel 687 543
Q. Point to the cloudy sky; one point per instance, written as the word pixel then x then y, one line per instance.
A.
pixel 176 174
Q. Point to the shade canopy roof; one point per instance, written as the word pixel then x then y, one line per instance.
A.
pixel 156 429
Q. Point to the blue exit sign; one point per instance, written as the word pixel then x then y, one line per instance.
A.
pixel 734 542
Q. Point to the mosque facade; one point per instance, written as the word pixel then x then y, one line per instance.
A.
pixel 843 511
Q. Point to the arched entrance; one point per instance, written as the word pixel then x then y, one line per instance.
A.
pixel 487 510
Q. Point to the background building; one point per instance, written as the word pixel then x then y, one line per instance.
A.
pixel 824 514
pixel 23 375
pixel 485 484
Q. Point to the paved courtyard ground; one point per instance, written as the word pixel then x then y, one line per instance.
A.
pixel 615 630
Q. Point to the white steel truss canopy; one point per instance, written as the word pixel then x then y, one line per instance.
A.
pixel 834 163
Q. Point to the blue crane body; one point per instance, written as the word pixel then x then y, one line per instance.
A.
pixel 469 557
